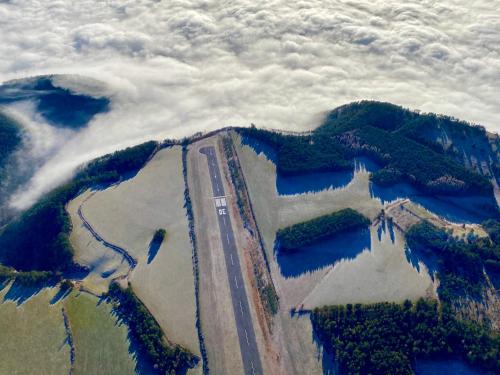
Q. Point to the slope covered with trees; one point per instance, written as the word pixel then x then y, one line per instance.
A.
pixel 385 132
pixel 387 338
pixel 459 263
pixel 39 238
pixel 10 139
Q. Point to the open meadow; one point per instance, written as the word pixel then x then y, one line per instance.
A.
pixel 127 215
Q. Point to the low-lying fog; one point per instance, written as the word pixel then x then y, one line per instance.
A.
pixel 173 68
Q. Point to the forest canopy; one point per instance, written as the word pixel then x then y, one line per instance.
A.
pixel 459 262
pixel 387 338
pixel 305 233
pixel 389 134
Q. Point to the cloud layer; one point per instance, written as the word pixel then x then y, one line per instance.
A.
pixel 181 66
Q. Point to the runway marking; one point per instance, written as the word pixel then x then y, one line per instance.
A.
pixel 246 334
pixel 253 370
pixel 232 263
pixel 227 236
pixel 236 282
pixel 241 308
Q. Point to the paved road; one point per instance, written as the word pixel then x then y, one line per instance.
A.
pixel 244 325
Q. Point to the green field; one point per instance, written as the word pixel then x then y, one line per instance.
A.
pixel 101 344
pixel 33 338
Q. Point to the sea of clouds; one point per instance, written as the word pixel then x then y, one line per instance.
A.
pixel 176 67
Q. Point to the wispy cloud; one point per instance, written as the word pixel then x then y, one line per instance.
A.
pixel 176 67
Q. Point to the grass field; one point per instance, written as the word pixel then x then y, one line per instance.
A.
pixel 32 336
pixel 128 215
pixel 101 344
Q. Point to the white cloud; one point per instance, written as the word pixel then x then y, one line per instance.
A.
pixel 176 67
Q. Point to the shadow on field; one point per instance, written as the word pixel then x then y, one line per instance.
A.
pixel 60 295
pixel 19 293
pixel 328 363
pixel 154 247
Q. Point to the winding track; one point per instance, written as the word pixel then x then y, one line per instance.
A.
pixel 244 325
pixel 130 260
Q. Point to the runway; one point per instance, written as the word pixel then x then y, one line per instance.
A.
pixel 244 324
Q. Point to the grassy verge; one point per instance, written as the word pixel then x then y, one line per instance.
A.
pixel 266 290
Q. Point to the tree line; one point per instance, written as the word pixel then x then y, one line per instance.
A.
pixel 166 358
pixel 305 233
pixel 396 138
pixel 387 338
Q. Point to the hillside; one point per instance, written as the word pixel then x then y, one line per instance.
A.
pixel 378 239
pixel 396 138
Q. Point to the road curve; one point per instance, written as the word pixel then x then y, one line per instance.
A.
pixel 244 325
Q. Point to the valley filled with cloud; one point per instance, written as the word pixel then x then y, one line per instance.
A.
pixel 172 68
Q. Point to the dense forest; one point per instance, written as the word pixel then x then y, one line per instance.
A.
pixel 387 338
pixel 459 262
pixel 302 234
pixel 39 238
pixel 165 357
pixel 299 154
pixel 387 133
pixel 10 139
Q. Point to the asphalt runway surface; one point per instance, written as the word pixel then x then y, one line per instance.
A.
pixel 244 324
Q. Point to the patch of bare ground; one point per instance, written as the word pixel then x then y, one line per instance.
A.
pixel 404 213
pixel 486 311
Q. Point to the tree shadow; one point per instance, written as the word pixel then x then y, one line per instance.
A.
pixel 76 272
pixel 328 363
pixel 322 253
pixel 154 247
pixel 60 295
pixel 108 273
pixel 143 364
pixel 19 293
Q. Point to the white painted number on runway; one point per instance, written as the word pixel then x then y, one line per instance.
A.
pixel 222 211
